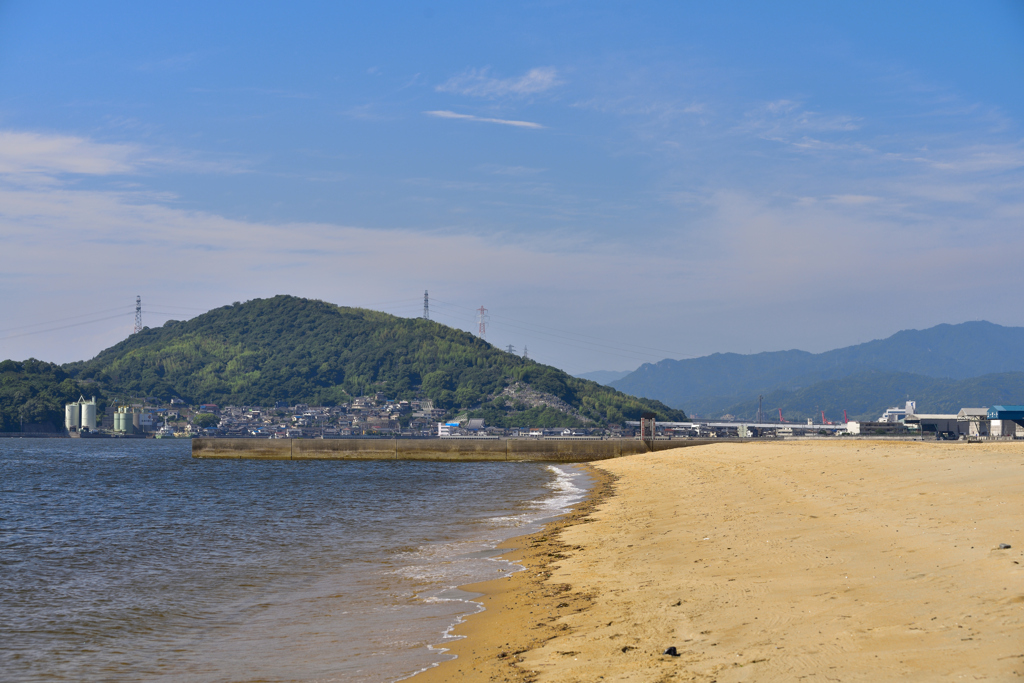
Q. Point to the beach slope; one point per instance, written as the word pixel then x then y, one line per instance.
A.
pixel 841 561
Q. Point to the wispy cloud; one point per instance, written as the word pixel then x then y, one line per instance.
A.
pixel 853 199
pixel 444 114
pixel 206 257
pixel 518 171
pixel 479 83
pixel 793 116
pixel 268 92
pixel 972 158
pixel 789 122
pixel 35 153
pixel 29 157
pixel 369 111
pixel 816 252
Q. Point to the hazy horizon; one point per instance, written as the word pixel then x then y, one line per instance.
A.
pixel 616 184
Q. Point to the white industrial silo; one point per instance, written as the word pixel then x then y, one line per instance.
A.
pixel 71 414
pixel 88 414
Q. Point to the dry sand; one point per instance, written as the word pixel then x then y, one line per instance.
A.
pixel 827 561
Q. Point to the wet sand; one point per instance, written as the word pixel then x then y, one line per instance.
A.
pixel 839 561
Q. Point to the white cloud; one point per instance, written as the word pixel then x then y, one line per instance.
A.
pixel 827 255
pixel 443 114
pixel 130 244
pixel 35 157
pixel 477 83
pixel 788 122
pixel 972 158
pixel 518 171
pixel 853 199
pixel 810 263
pixel 792 115
pixel 34 153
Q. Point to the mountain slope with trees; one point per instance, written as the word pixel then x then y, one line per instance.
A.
pixel 33 394
pixel 307 351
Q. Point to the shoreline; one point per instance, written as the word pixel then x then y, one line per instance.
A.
pixel 862 561
pixel 490 648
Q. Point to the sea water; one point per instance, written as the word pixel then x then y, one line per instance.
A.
pixel 127 560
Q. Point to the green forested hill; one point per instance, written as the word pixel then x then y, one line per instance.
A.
pixel 34 393
pixel 308 351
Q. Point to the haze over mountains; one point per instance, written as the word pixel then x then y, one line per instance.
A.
pixel 943 367
pixel 605 376
pixel 302 350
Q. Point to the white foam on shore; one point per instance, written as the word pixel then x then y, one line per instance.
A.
pixel 568 487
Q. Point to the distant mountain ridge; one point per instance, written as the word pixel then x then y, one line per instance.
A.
pixel 866 395
pixel 714 384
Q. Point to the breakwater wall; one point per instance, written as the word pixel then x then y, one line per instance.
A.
pixel 431 449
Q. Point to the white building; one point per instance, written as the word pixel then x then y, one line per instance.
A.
pixel 445 428
pixel 899 414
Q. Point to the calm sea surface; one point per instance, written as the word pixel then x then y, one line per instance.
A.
pixel 130 561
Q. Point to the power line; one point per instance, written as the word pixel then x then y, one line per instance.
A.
pixel 626 353
pixel 578 334
pixel 60 320
pixel 608 350
pixel 64 327
pixel 184 308
pixel 634 354
pixel 575 334
pixel 406 300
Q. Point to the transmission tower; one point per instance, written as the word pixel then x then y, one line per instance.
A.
pixel 426 305
pixel 526 353
pixel 481 319
pixel 138 314
pixel 511 349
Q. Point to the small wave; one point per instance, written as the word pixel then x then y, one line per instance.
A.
pixel 566 491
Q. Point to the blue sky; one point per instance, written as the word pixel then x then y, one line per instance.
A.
pixel 615 182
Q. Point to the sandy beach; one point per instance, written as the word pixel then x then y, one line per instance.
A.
pixel 828 561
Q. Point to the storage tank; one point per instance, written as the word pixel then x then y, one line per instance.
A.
pixel 88 415
pixel 119 420
pixel 136 427
pixel 71 416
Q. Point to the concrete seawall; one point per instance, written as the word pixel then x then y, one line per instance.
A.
pixel 430 449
